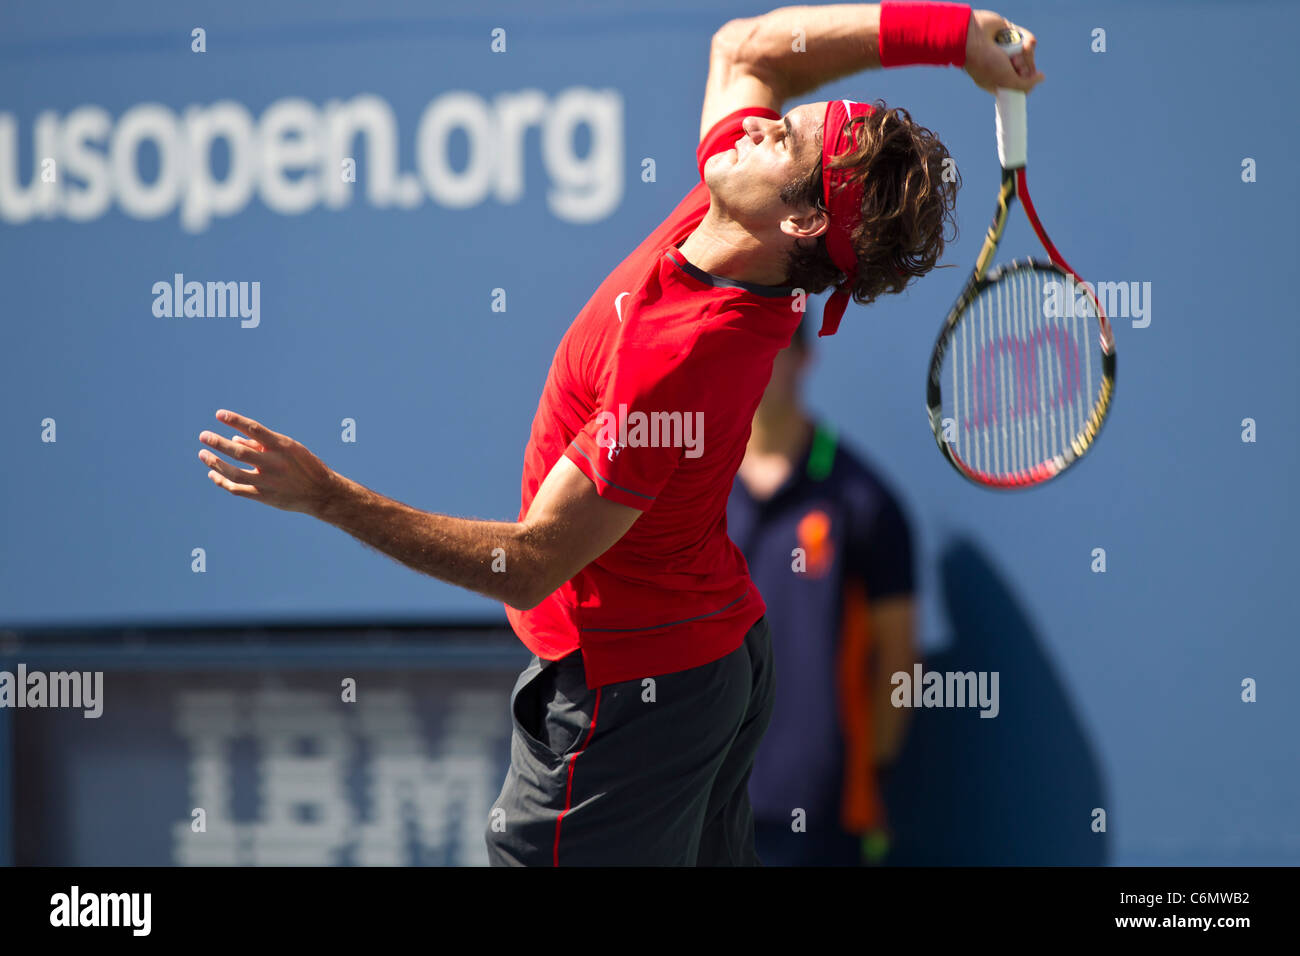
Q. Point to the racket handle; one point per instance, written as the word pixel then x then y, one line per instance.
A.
pixel 1012 124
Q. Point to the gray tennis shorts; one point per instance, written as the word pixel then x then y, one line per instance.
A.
pixel 651 772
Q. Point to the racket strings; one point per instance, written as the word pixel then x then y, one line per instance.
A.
pixel 1022 373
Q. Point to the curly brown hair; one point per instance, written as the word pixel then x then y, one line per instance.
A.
pixel 908 207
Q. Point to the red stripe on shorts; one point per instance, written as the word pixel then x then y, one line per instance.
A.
pixel 568 794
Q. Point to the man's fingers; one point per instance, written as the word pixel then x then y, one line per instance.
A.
pixel 1031 43
pixel 255 445
pixel 253 429
pixel 240 449
pixel 225 468
pixel 1026 81
pixel 1011 78
pixel 1026 69
pixel 244 491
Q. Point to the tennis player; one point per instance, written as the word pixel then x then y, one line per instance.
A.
pixel 637 721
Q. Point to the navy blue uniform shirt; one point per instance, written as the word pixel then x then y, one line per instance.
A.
pixel 831 540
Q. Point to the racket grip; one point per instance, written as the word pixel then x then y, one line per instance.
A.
pixel 1012 122
pixel 1012 129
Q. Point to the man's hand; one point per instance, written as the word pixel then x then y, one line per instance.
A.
pixel 988 65
pixel 281 473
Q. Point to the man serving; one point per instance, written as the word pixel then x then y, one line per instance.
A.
pixel 637 721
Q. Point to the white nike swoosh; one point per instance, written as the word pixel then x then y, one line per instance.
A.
pixel 618 304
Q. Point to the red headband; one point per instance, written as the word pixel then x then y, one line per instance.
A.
pixel 843 198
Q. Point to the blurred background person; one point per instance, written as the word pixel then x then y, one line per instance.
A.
pixel 830 551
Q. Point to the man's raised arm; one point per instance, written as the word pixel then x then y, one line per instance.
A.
pixel 764 60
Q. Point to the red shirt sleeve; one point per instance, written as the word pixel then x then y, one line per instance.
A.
pixel 726 131
pixel 622 448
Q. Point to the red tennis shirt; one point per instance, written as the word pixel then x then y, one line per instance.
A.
pixel 651 393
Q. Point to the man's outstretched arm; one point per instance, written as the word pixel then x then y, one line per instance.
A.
pixel 567 526
pixel 764 60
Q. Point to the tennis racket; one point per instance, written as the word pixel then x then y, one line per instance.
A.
pixel 1023 370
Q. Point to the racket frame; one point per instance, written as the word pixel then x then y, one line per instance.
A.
pixel 1013 186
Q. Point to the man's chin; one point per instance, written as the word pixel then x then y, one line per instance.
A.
pixel 728 157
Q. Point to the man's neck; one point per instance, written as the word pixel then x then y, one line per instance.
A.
pixel 723 247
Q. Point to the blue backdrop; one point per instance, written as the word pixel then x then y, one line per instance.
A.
pixel 526 171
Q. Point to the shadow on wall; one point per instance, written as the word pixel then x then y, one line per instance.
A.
pixel 1017 789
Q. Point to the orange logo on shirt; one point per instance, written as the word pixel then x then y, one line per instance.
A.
pixel 814 534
